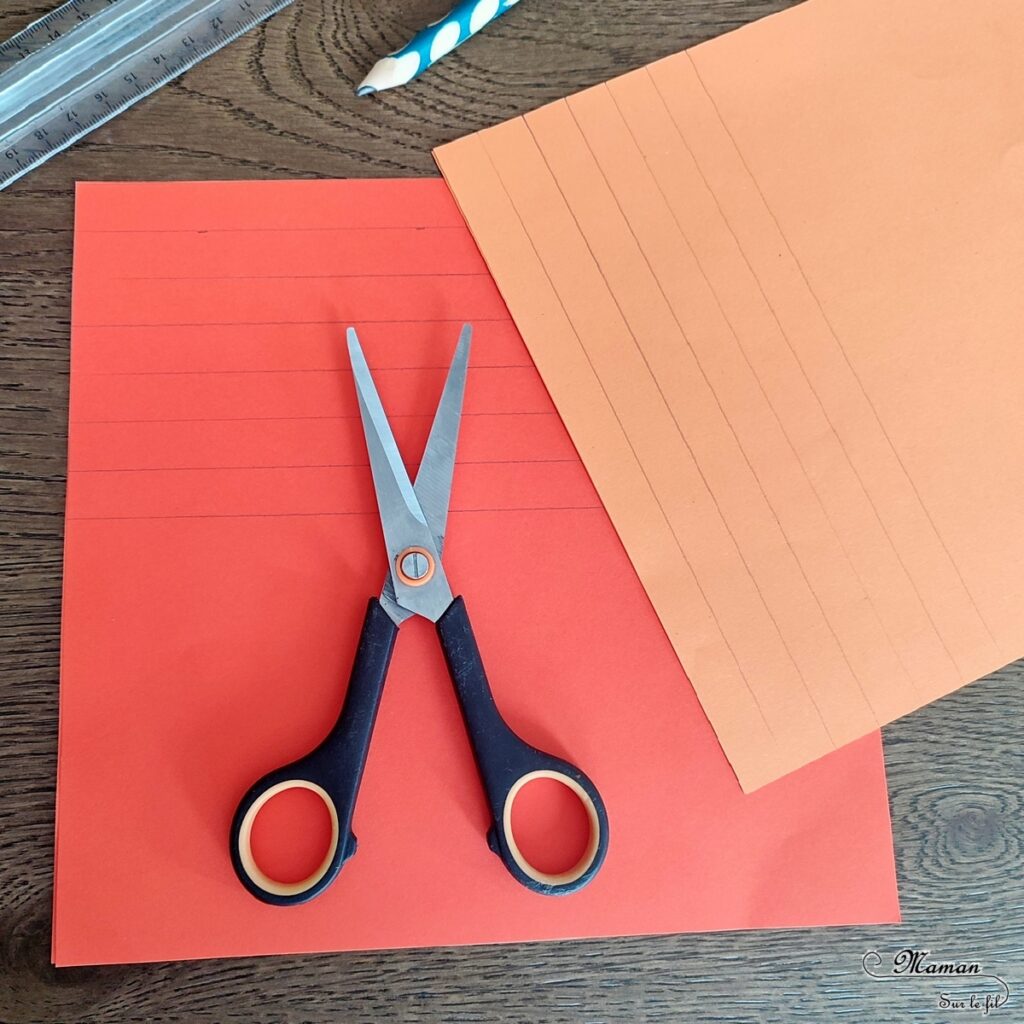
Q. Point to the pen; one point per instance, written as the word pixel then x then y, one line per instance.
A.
pixel 431 44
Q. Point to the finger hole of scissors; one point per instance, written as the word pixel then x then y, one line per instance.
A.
pixel 245 840
pixel 564 821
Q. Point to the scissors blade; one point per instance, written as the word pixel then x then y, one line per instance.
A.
pixel 402 519
pixel 395 493
pixel 434 478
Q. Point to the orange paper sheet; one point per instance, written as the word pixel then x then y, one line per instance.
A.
pixel 223 540
pixel 773 285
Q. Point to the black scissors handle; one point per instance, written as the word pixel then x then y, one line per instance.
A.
pixel 507 763
pixel 333 771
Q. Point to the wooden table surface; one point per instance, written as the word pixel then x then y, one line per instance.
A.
pixel 279 103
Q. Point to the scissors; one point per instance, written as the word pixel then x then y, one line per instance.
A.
pixel 414 518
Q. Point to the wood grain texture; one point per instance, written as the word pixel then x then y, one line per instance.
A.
pixel 279 103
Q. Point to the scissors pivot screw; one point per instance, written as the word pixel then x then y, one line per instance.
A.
pixel 415 566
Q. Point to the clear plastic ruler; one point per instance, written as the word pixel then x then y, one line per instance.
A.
pixel 86 61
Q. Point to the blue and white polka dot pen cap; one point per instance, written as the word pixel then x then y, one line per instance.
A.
pixel 430 45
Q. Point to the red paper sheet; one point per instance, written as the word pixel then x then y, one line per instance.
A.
pixel 222 542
